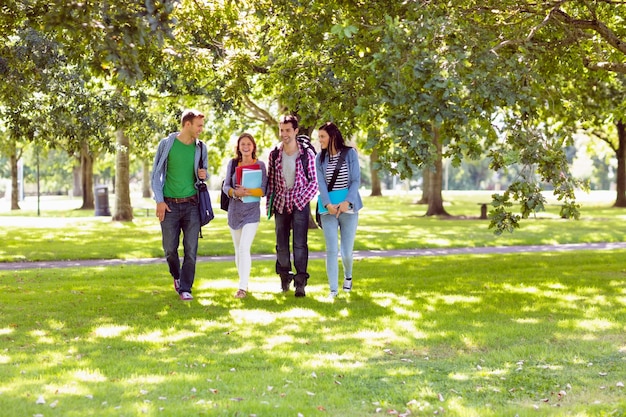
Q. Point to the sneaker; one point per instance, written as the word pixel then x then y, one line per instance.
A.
pixel 285 280
pixel 176 284
pixel 347 284
pixel 241 294
pixel 185 296
pixel 332 295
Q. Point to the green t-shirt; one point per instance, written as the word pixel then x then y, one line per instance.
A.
pixel 180 177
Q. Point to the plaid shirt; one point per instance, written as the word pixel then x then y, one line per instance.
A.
pixel 302 191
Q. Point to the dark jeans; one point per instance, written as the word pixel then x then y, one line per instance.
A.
pixel 183 217
pixel 298 221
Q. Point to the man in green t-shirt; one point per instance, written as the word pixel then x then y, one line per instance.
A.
pixel 175 173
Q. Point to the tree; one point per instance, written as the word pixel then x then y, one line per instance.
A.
pixel 563 41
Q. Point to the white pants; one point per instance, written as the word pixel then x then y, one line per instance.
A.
pixel 242 240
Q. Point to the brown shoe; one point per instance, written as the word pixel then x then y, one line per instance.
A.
pixel 241 294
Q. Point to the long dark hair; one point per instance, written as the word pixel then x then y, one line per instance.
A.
pixel 335 141
pixel 238 154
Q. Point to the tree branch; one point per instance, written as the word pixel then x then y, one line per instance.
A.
pixel 605 66
pixel 529 37
pixel 257 112
pixel 595 25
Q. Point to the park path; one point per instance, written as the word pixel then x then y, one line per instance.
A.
pixel 402 253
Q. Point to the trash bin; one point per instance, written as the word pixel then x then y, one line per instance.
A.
pixel 102 200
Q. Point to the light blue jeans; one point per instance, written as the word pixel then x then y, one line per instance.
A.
pixel 346 224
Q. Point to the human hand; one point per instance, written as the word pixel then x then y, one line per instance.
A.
pixel 202 173
pixel 161 208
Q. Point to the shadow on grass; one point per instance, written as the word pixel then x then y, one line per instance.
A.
pixel 487 335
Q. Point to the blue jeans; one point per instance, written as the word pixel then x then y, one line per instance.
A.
pixel 183 217
pixel 298 220
pixel 346 224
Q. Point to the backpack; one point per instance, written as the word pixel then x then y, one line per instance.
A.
pixel 224 199
pixel 306 144
pixel 205 207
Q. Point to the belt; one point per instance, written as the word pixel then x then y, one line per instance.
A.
pixel 191 199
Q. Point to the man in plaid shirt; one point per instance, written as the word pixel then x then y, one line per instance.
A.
pixel 290 188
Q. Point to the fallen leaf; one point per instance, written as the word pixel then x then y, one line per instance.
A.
pixel 479 367
pixel 269 388
pixel 321 408
pixel 440 396
pixel 337 382
pixel 620 384
pixel 237 399
pixel 602 373
pixel 40 400
pixel 412 402
pixel 213 390
pixel 561 394
pixel 310 393
pixel 545 400
pixel 394 412
pixel 313 374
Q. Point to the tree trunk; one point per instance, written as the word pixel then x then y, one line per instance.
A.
pixel 376 188
pixel 86 180
pixel 145 181
pixel 15 192
pixel 77 188
pixel 425 186
pixel 435 198
pixel 620 201
pixel 123 207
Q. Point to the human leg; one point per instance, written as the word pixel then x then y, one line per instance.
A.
pixel 300 240
pixel 329 226
pixel 283 233
pixel 301 248
pixel 170 231
pixel 245 259
pixel 190 224
pixel 283 255
pixel 236 235
pixel 347 225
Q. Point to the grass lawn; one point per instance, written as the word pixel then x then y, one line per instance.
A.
pixel 505 335
pixel 473 335
pixel 390 222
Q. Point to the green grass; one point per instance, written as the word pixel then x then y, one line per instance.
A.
pixel 459 335
pixel 391 222
pixel 472 335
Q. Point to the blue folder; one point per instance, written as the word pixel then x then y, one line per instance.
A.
pixel 336 197
pixel 251 178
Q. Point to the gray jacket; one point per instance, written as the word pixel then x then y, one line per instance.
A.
pixel 159 168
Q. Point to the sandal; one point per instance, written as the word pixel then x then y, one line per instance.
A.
pixel 241 294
